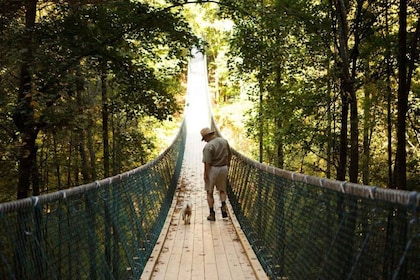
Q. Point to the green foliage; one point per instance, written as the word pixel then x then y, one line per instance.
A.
pixel 286 52
pixel 142 50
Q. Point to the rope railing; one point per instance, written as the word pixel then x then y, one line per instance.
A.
pixel 304 227
pixel 103 230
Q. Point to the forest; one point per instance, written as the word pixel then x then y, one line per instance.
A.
pixel 88 87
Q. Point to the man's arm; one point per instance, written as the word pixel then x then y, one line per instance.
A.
pixel 206 171
pixel 229 155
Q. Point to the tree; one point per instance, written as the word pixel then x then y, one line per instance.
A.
pixel 408 55
pixel 332 47
pixel 58 39
pixel 24 115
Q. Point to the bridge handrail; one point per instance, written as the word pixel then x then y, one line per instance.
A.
pixel 9 206
pixel 102 230
pixel 403 197
pixel 305 227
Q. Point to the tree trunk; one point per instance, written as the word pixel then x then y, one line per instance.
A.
pixel 406 68
pixel 366 138
pixel 116 151
pixel 105 129
pixel 329 133
pixel 56 160
pixel 354 139
pixel 400 169
pixel 261 123
pixel 346 209
pixel 92 154
pixel 354 114
pixel 35 172
pixel 69 165
pixel 389 98
pixel 342 163
pixel 280 155
pixel 344 91
pixel 279 122
pixel 81 134
pixel 348 89
pixel 83 157
pixel 405 71
pixel 118 128
pixel 24 112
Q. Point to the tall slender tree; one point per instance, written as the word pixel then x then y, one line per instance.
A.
pixel 24 115
pixel 408 54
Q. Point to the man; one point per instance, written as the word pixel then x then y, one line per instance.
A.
pixel 216 159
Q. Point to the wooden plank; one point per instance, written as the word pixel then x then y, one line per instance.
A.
pixel 230 241
pixel 249 252
pixel 160 248
pixel 203 249
pixel 186 252
pixel 198 250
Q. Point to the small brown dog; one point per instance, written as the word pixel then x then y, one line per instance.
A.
pixel 186 213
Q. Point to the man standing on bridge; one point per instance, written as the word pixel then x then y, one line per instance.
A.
pixel 216 159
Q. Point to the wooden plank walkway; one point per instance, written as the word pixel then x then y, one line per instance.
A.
pixel 202 249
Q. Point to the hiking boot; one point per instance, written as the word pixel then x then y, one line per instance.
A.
pixel 224 212
pixel 211 217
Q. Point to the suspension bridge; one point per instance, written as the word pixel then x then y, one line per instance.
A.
pixel 281 224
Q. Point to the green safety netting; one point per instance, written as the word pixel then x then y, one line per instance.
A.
pixel 103 230
pixel 303 227
pixel 300 227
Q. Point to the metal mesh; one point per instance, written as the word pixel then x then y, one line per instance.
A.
pixel 103 230
pixel 303 227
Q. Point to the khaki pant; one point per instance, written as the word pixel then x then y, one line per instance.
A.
pixel 217 177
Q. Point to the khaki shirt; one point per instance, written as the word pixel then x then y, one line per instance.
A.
pixel 217 152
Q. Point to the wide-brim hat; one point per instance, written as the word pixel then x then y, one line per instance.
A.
pixel 205 131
